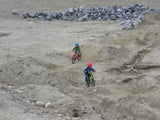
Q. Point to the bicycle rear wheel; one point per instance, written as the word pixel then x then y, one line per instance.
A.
pixel 79 57
pixel 93 82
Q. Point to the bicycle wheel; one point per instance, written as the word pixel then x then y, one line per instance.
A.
pixel 93 82
pixel 79 57
pixel 88 82
pixel 73 60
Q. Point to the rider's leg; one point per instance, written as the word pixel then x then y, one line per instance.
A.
pixel 92 78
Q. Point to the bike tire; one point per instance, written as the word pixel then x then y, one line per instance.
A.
pixel 73 60
pixel 88 82
pixel 79 58
pixel 94 82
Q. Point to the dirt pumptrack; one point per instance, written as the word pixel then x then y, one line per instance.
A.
pixel 35 65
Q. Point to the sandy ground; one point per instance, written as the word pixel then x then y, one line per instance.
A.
pixel 35 64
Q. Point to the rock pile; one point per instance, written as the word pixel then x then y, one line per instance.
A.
pixel 129 24
pixel 132 14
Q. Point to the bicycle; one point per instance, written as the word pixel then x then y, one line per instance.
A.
pixel 90 79
pixel 76 56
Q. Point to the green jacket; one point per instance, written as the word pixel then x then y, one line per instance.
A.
pixel 77 48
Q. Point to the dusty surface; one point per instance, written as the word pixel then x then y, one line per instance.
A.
pixel 35 64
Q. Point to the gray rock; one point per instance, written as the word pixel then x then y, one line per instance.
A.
pixel 44 14
pixel 93 9
pixel 25 15
pixel 41 18
pixel 138 8
pixel 71 10
pixel 84 18
pixel 49 17
pixel 128 25
pixel 87 10
pixel 65 17
pixel 99 18
pixel 80 14
pixel 54 15
pixel 76 9
pixel 37 14
pixel 135 15
pixel 91 18
pixel 70 19
pixel 144 7
pixel 136 5
pixel 119 10
pixel 59 16
pixel 121 23
pixel 15 12
pixel 140 17
pixel 136 21
pixel 113 17
pixel 106 17
pixel 119 16
pixel 67 13
pixel 33 14
pixel 81 8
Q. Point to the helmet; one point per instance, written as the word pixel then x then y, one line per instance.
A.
pixel 76 44
pixel 89 64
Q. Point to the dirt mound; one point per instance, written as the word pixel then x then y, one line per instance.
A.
pixel 149 19
pixel 138 106
pixel 153 17
pixel 26 71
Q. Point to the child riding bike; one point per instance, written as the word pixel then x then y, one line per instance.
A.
pixel 77 49
pixel 87 70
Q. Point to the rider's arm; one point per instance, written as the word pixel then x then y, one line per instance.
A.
pixel 79 49
pixel 93 70
pixel 85 70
